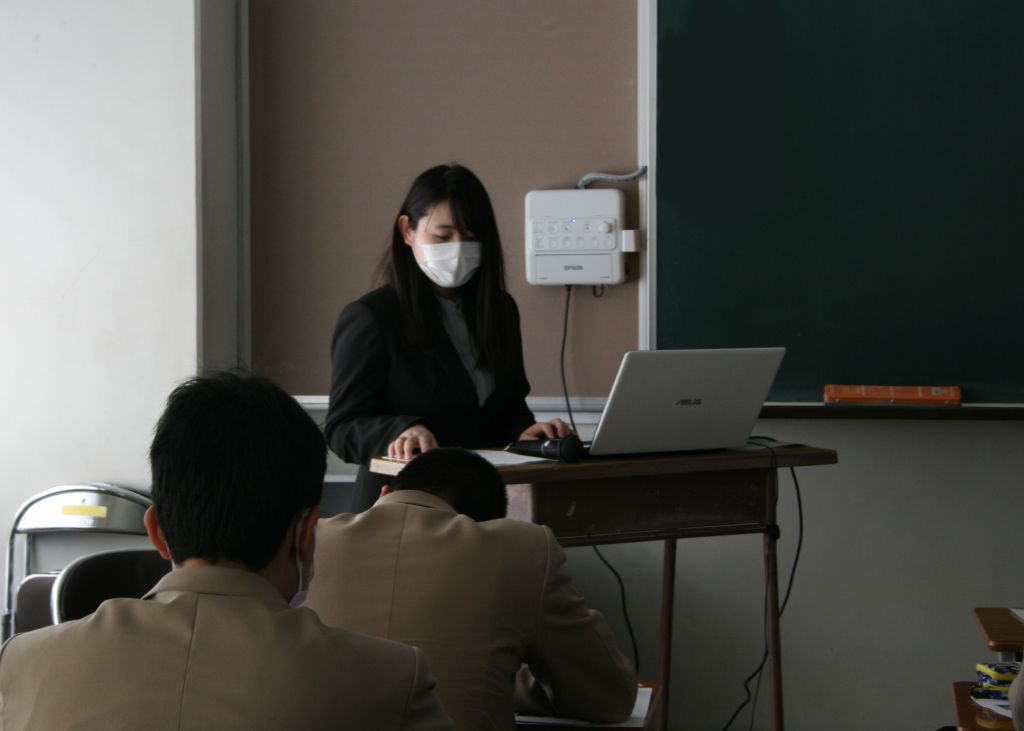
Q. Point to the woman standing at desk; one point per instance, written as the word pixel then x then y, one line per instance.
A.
pixel 434 357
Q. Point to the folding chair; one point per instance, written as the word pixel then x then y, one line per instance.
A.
pixel 33 602
pixel 96 507
pixel 87 582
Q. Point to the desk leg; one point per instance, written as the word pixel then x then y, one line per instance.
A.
pixel 668 588
pixel 771 569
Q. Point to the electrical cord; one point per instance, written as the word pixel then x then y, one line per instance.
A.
pixel 625 611
pixel 609 178
pixel 782 608
pixel 583 183
pixel 760 667
pixel 757 673
pixel 568 408
pixel 592 177
pixel 565 332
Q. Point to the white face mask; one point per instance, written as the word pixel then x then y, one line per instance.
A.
pixel 452 264
pixel 305 577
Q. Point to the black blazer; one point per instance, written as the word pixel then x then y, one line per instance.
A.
pixel 379 388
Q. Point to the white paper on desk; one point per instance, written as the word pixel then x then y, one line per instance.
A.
pixel 635 720
pixel 1018 613
pixel 1000 707
pixel 498 457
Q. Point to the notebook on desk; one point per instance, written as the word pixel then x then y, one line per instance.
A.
pixel 685 400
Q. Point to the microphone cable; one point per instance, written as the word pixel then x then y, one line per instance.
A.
pixel 565 332
pixel 625 611
pixel 572 421
pixel 583 183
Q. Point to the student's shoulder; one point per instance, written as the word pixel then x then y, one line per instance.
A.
pixel 518 531
pixel 529 552
pixel 370 520
pixel 102 626
pixel 349 648
pixel 24 644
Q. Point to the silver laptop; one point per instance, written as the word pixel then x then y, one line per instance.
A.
pixel 680 400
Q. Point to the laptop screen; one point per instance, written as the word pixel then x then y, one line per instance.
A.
pixel 682 400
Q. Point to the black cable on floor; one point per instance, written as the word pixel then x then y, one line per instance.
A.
pixel 625 611
pixel 782 608
pixel 760 667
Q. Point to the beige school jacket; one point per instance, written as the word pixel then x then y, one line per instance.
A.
pixel 479 599
pixel 211 648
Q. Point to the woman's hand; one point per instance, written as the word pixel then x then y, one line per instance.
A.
pixel 417 438
pixel 547 430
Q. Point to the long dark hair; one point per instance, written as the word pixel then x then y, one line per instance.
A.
pixel 483 299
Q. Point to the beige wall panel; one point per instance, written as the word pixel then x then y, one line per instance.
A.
pixel 350 100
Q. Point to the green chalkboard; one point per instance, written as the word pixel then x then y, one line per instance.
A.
pixel 845 178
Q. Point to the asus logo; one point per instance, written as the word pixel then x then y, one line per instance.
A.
pixel 689 402
pixel 573 267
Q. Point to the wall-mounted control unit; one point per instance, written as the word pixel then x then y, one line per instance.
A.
pixel 575 236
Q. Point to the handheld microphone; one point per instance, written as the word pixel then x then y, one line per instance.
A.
pixel 566 449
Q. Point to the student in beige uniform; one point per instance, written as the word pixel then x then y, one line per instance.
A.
pixel 237 476
pixel 435 564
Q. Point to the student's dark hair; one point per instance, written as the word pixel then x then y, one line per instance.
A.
pixel 235 460
pixel 466 481
pixel 488 315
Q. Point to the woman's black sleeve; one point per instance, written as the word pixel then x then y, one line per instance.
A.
pixel 519 415
pixel 358 427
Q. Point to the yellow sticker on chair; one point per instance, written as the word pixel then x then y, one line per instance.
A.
pixel 91 511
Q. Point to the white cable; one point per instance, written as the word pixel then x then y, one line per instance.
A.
pixel 591 177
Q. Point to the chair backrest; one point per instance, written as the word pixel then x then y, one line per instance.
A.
pixel 33 602
pixel 96 507
pixel 90 580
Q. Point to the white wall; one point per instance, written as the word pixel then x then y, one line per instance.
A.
pixel 916 525
pixel 98 271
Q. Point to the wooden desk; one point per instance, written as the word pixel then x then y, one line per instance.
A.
pixel 1001 629
pixel 972 717
pixel 663 497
